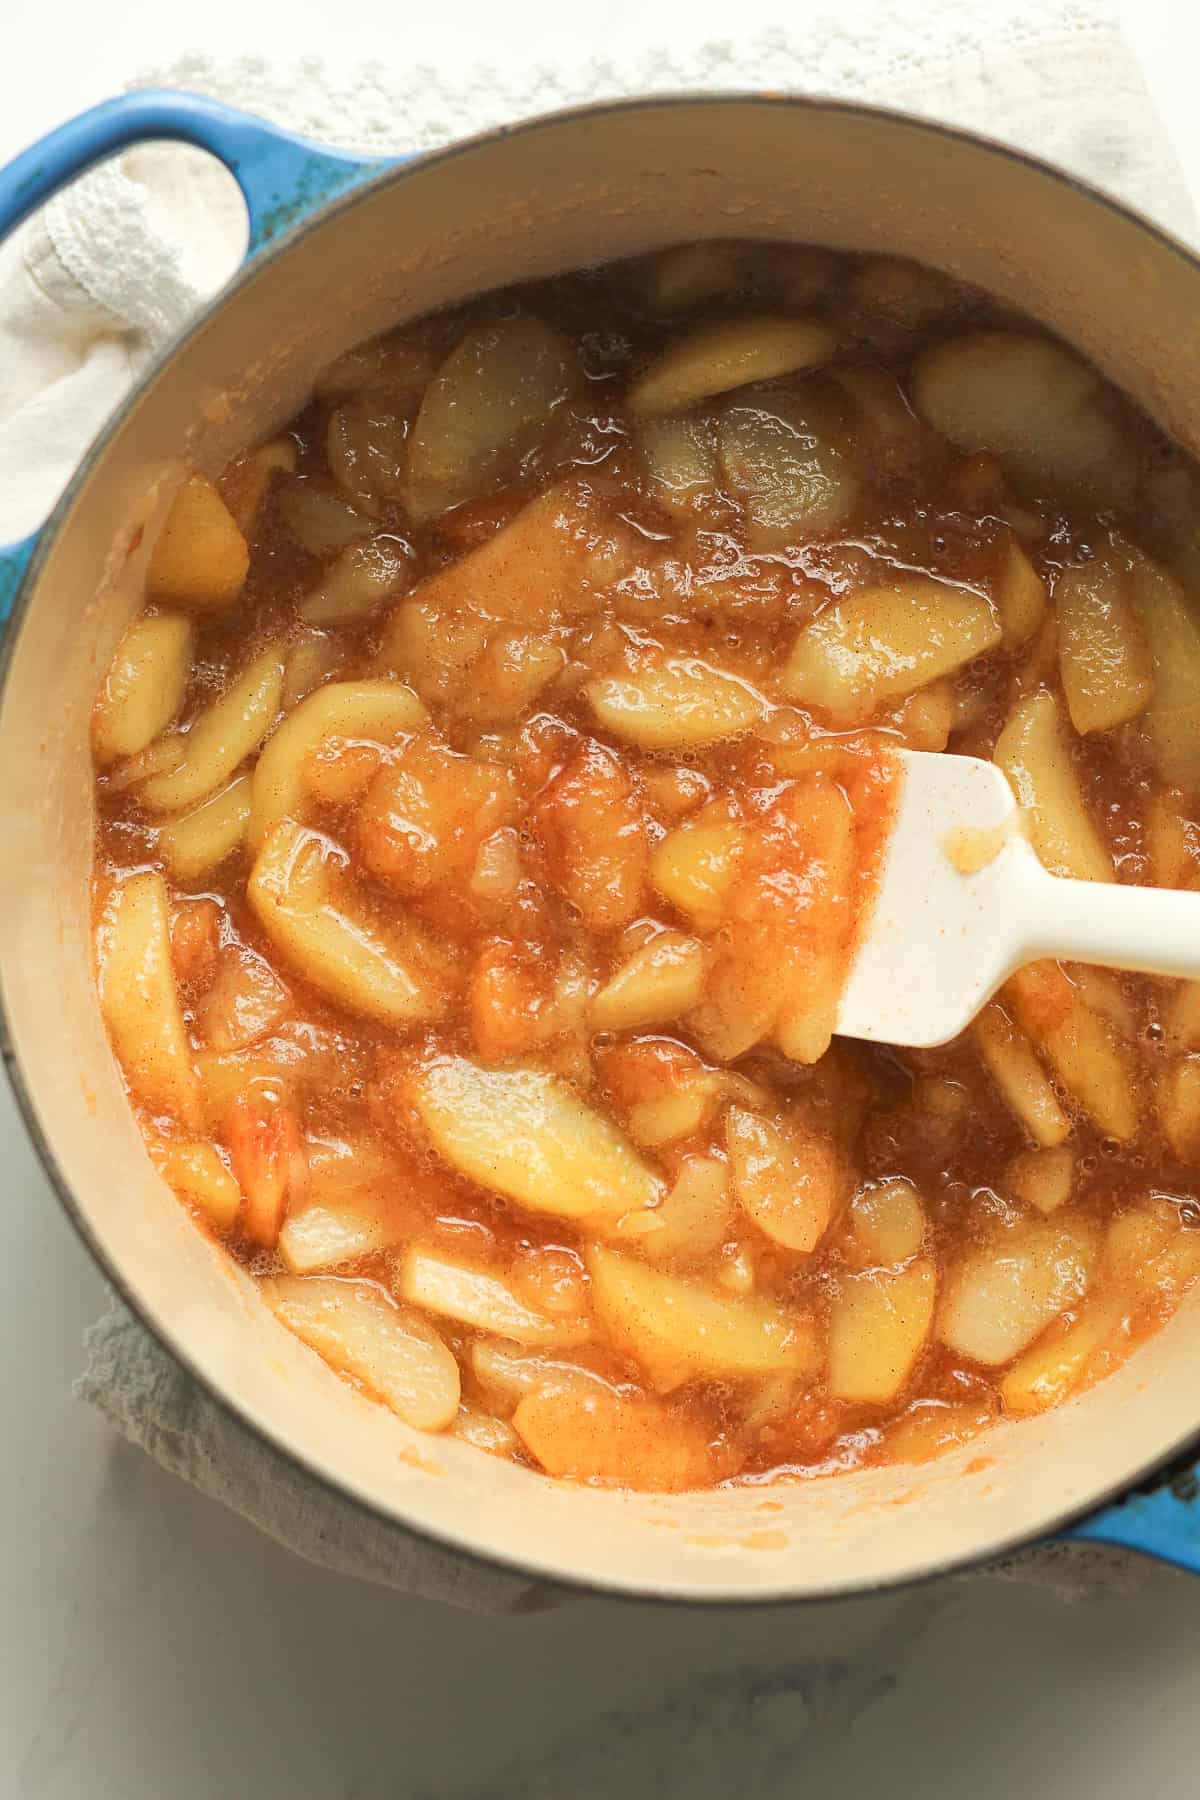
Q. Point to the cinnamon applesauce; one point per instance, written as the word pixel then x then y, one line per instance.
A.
pixel 490 797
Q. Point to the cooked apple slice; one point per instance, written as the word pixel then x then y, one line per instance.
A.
pixel 587 1431
pixel 1043 1178
pixel 529 1136
pixel 321 1235
pixel 221 739
pixel 680 703
pixel 695 866
pixel 140 1003
pixel 144 688
pixel 1053 1368
pixel 1168 616
pixel 378 711
pixel 678 1328
pixel 693 1220
pixel 1013 1065
pixel 886 1225
pixel 200 558
pixel 355 1326
pixel 1104 664
pixel 200 840
pixel 1002 1296
pixel 680 457
pixel 786 1176
pixel 381 971
pixel 885 642
pixel 553 561
pixel 1043 410
pixel 481 1300
pixel 658 983
pixel 878 1327
pixel 198 1175
pixel 731 354
pixel 1035 753
pixel 493 398
pixel 784 456
pixel 1020 595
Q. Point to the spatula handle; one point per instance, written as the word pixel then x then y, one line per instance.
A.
pixel 1153 930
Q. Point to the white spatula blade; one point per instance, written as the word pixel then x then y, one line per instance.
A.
pixel 940 941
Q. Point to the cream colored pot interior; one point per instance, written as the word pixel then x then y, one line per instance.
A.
pixel 569 191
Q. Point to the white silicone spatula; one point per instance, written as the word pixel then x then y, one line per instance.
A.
pixel 939 942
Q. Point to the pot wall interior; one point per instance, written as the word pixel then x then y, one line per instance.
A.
pixel 565 192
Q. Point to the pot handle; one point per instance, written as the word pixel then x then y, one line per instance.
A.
pixel 282 178
pixel 1161 1520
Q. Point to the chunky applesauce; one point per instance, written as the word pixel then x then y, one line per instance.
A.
pixel 490 795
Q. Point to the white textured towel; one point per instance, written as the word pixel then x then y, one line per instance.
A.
pixel 96 285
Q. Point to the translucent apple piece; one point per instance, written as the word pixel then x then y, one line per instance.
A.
pixel 200 558
pixel 878 1327
pixel 357 1328
pixel 140 1002
pixel 493 398
pixel 359 580
pixel 886 1224
pixel 1013 1065
pixel 680 458
pixel 199 841
pixel 681 703
pixel 480 1300
pixel 1104 664
pixel 529 1136
pixel 695 1216
pixel 884 642
pixel 783 456
pixel 378 711
pixel 787 1177
pixel 731 354
pixel 1034 752
pixel 197 1174
pixel 220 740
pixel 381 970
pixel 320 1235
pixel 1087 1050
pixel 1169 619
pixel 591 1432
pixel 145 686
pixel 695 866
pixel 1046 414
pixel 1049 1372
pixel 1003 1295
pixel 1043 1178
pixel 552 561
pixel 659 982
pixel 1020 595
pixel 678 1328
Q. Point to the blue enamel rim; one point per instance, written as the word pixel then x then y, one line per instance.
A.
pixel 290 186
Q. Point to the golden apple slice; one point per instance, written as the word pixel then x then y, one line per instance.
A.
pixel 382 971
pixel 677 1329
pixel 221 739
pixel 200 558
pixel 378 711
pixel 529 1136
pixel 480 1300
pixel 878 1327
pixel 361 1332
pixel 140 1003
pixel 144 688
pixel 681 703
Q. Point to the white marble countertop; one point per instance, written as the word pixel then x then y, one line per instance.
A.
pixel 152 1645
